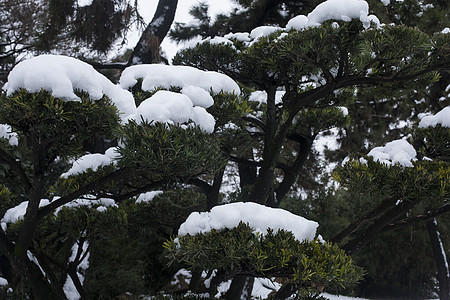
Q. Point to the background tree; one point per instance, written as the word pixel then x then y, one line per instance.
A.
pixel 83 31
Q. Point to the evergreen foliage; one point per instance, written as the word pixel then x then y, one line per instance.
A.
pixel 375 72
pixel 310 266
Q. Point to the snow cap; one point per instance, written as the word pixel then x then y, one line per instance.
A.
pixel 399 151
pixel 258 216
pixel 155 75
pixel 61 75
pixel 442 118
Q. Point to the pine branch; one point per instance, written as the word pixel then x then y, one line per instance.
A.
pixel 430 215
pixel 97 184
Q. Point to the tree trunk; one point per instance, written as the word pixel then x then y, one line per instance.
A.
pixel 147 50
pixel 236 288
pixel 443 272
pixel 263 190
pixel 212 195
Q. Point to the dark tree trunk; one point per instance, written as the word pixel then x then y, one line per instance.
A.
pixel 443 272
pixel 147 50
pixel 236 288
pixel 212 195
pixel 291 172
pixel 263 190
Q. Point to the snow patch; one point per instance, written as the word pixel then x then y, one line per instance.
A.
pixel 258 216
pixel 154 75
pixel 442 118
pixel 6 133
pixel 174 108
pixel 147 197
pixel 17 213
pixel 62 75
pixel 92 161
pixel 344 10
pixel 398 151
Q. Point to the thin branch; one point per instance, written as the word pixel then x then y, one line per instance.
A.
pixel 430 215
pixel 44 211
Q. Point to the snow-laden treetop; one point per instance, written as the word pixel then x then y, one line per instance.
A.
pixel 343 10
pixel 258 216
pixel 62 76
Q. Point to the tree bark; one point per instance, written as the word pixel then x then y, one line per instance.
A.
pixel 263 190
pixel 440 257
pixel 147 50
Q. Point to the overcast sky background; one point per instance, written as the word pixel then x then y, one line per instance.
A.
pixel 147 9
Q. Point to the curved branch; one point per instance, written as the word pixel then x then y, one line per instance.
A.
pixel 46 210
pixel 430 215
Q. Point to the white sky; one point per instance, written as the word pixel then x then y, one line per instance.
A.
pixel 147 9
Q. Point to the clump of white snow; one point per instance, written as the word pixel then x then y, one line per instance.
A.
pixel 344 10
pixel 6 133
pixel 344 110
pixel 101 203
pixel 155 75
pixel 92 161
pixel 239 36
pixel 198 96
pixel 263 31
pixel 442 118
pixel 261 97
pixel 258 216
pixel 3 281
pixel 147 197
pixel 399 151
pixel 17 213
pixel 173 108
pixel 61 75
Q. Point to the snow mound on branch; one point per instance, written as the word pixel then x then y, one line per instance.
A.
pixel 147 197
pixel 442 118
pixel 344 10
pixel 263 31
pixel 3 281
pixel 261 97
pixel 88 200
pixel 16 213
pixel 6 133
pixel 399 151
pixel 173 108
pixel 61 75
pixel 258 216
pixel 91 161
pixel 198 96
pixel 155 75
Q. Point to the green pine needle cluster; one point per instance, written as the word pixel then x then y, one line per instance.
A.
pixel 310 265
